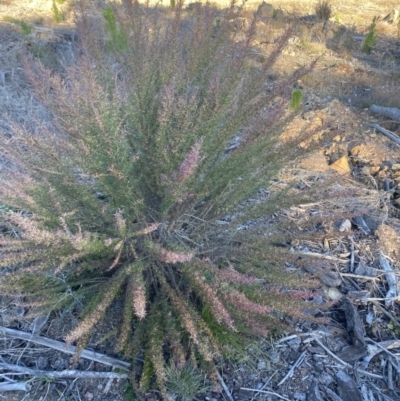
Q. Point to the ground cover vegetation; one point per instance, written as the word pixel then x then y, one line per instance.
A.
pixel 163 129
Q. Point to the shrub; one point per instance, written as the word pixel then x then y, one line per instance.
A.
pixel 370 39
pixel 323 10
pixel 141 189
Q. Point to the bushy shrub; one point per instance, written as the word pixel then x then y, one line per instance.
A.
pixel 323 10
pixel 141 189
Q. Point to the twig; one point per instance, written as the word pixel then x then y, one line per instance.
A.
pixel 352 256
pixel 63 347
pixel 322 256
pixel 265 385
pixel 358 276
pixel 391 295
pixel 385 312
pixel 297 363
pixel 63 374
pixel 225 387
pixel 390 375
pixel 345 363
pixel 287 338
pixel 266 392
pixel 384 346
pixel 17 386
pixel 386 132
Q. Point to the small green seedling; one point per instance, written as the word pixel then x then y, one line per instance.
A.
pixel 57 14
pixel 371 39
pixel 296 99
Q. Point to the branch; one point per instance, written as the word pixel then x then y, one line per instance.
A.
pixel 17 386
pixel 63 374
pixel 63 347
pixel 389 134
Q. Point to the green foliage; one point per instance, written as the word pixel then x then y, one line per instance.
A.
pixel 370 40
pixel 25 27
pixel 172 3
pixel 117 39
pixel 185 381
pixel 296 99
pixel 129 392
pixel 323 10
pixel 57 13
pixel 141 191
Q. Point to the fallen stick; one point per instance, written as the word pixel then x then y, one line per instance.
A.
pixel 297 363
pixel 16 386
pixel 63 374
pixel 63 347
pixel 345 363
pixel 225 387
pixel 390 112
pixel 384 131
pixel 265 392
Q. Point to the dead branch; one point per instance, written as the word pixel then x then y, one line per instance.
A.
pixel 265 392
pixel 63 374
pixel 16 386
pixel 297 363
pixel 390 112
pixel 225 387
pixel 63 347
pixel 345 363
pixel 384 131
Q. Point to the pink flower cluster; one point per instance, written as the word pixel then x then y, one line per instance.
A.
pixel 190 164
pixel 175 257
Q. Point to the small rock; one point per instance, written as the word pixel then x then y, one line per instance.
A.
pixel 333 293
pixel 337 138
pixel 89 396
pixel 299 396
pixel 345 225
pixel 261 365
pixel 396 166
pixel 341 165
pixel 374 169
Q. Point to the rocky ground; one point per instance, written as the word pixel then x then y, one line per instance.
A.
pixel 354 170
